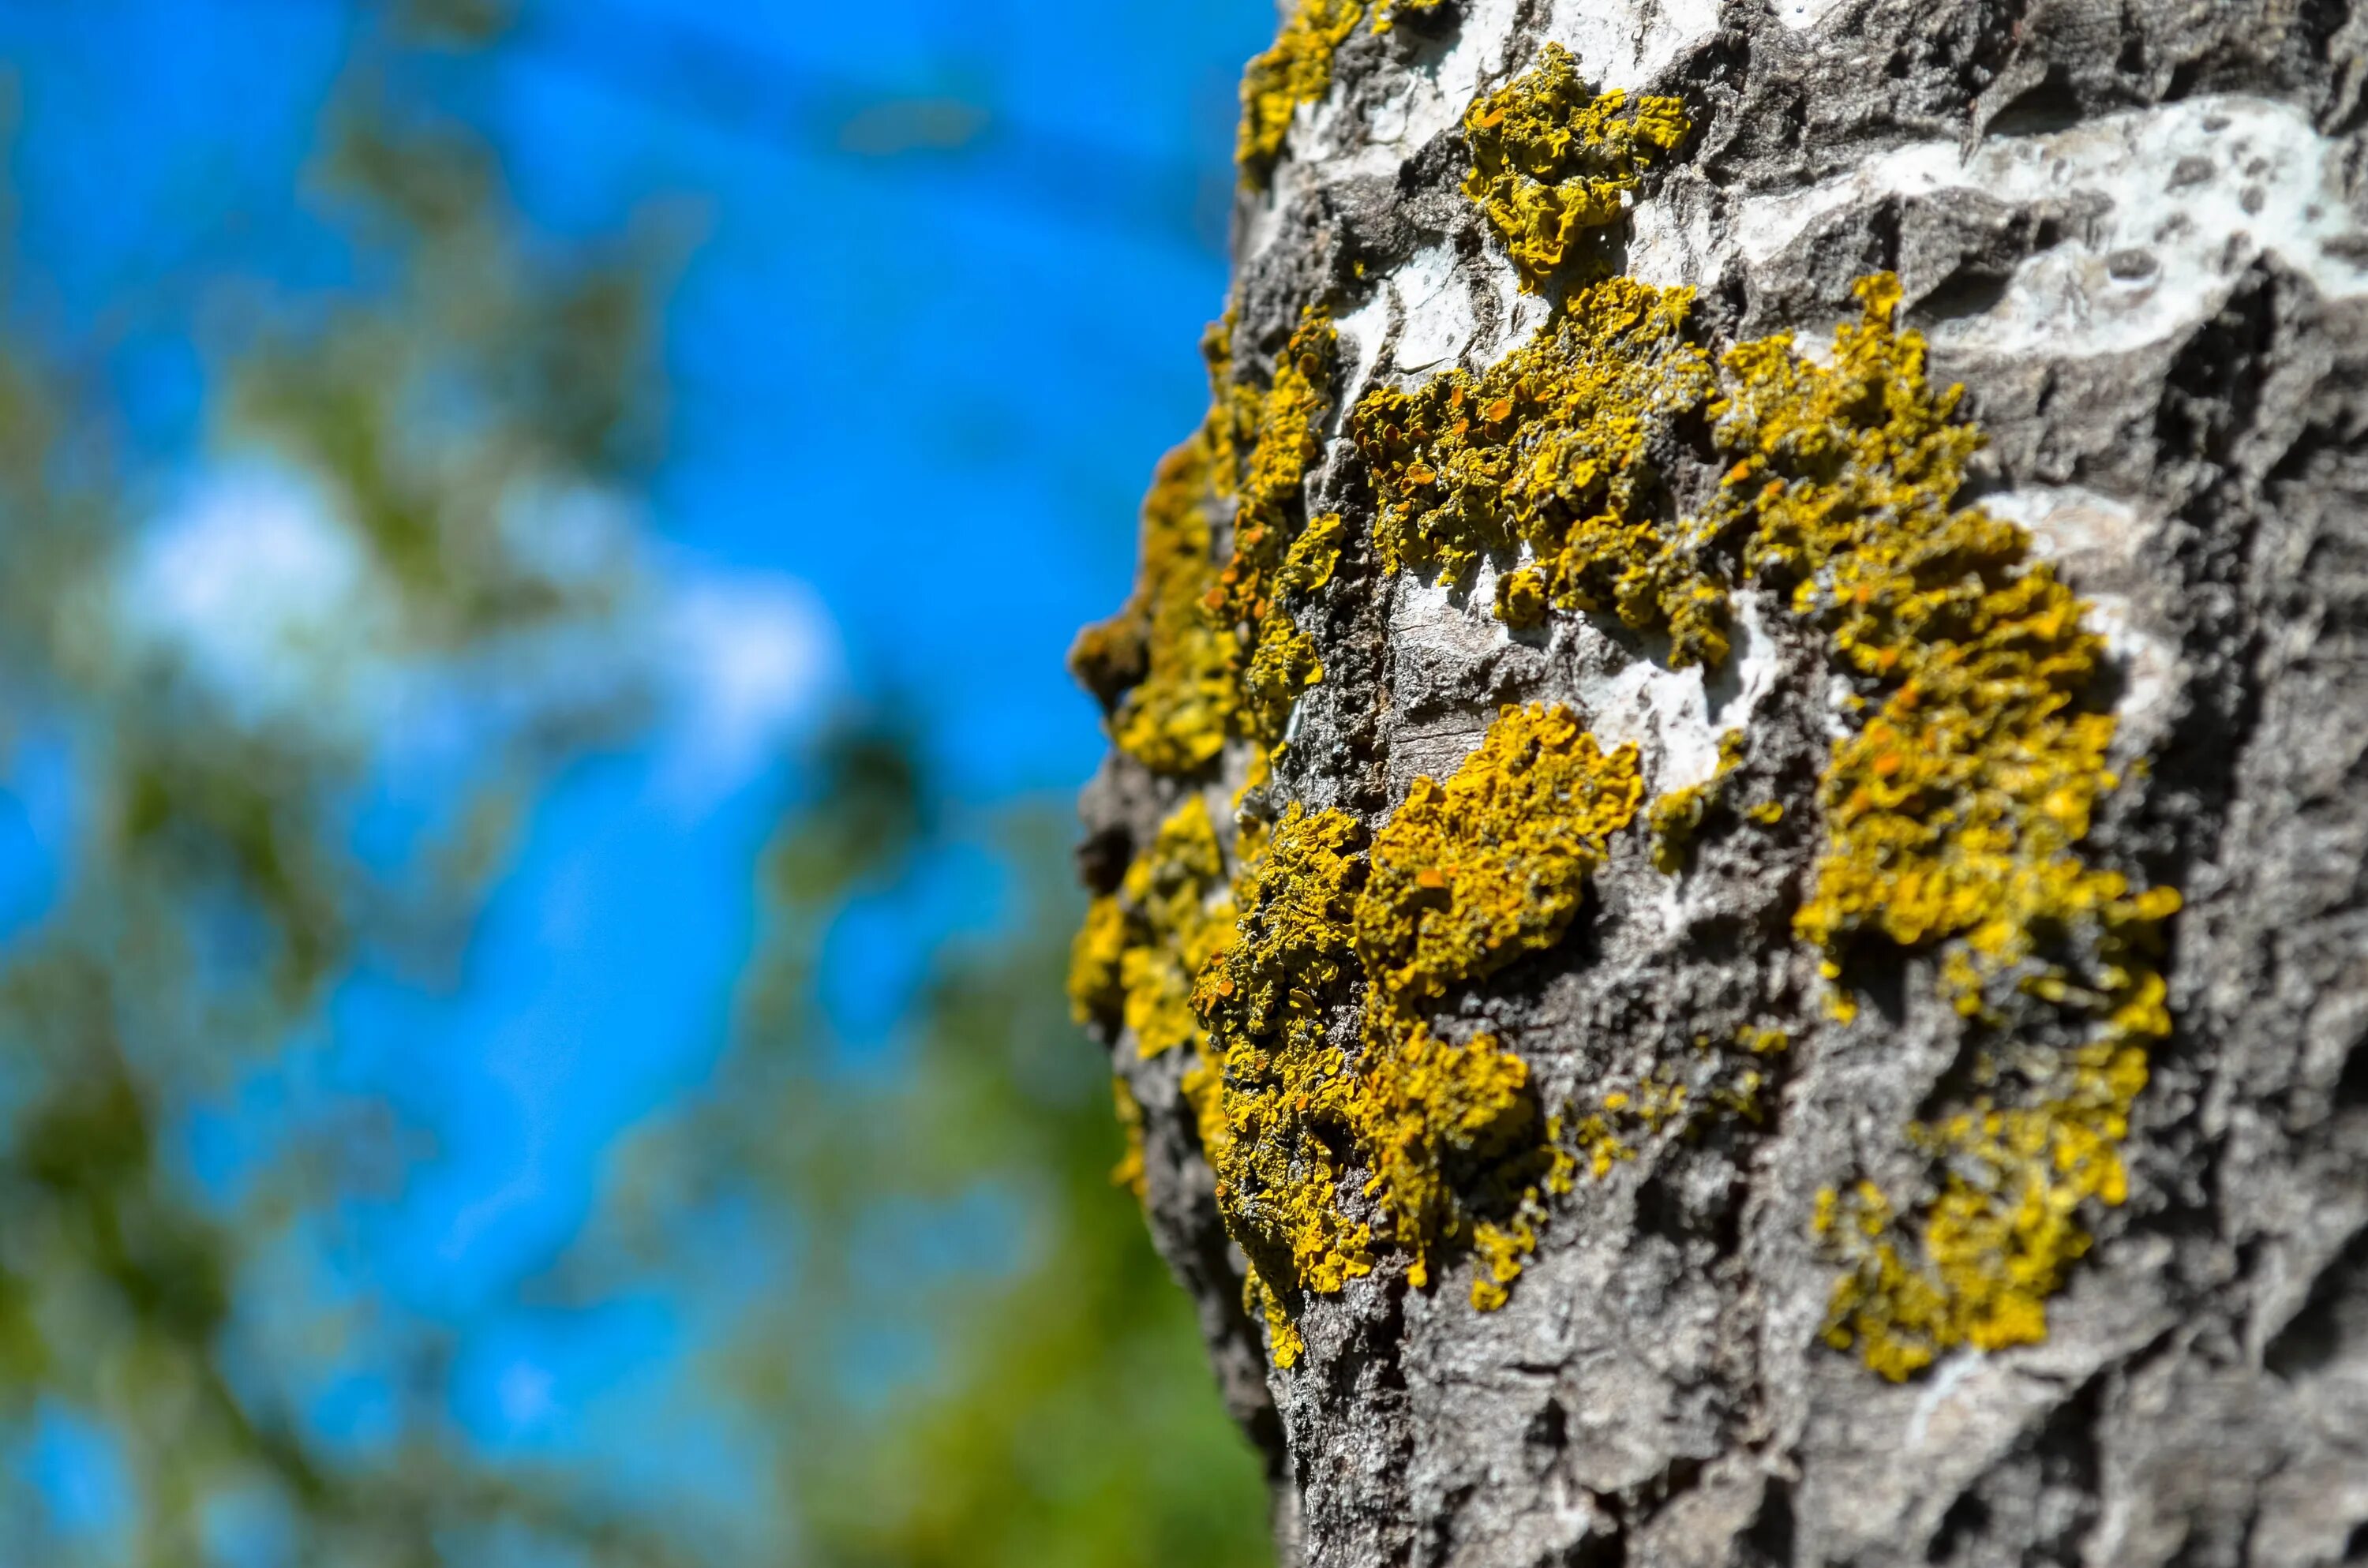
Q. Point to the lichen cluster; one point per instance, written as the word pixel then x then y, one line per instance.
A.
pixel 1202 653
pixel 1467 877
pixel 1678 816
pixel 1955 815
pixel 1552 161
pixel 1550 452
pixel 1307 965
pixel 1165 669
pixel 1277 553
pixel 1298 70
pixel 1134 960
pixel 1335 949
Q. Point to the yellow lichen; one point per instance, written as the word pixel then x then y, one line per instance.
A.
pixel 1277 552
pixel 1275 1113
pixel 1130 1173
pixel 1598 1142
pixel 1953 818
pixel 1465 877
pixel 1339 1120
pixel 1202 653
pixel 1165 667
pixel 1676 816
pixel 1095 990
pixel 1297 69
pixel 1520 598
pixel 1179 914
pixel 1473 873
pixel 1548 451
pixel 1552 161
pixel 1312 557
pixel 1133 960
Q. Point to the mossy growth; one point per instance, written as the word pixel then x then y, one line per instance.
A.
pixel 1554 163
pixel 1465 877
pixel 1955 816
pixel 1202 653
pixel 1549 451
pixel 1297 69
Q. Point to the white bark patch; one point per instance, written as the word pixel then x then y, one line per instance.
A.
pixel 1675 717
pixel 1362 332
pixel 1625 48
pixel 2193 192
pixel 1327 143
pixel 1669 242
pixel 1801 15
pixel 1440 320
pixel 1444 88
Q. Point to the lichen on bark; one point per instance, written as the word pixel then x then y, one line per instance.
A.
pixel 1814 1009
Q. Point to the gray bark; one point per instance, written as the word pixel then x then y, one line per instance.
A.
pixel 2136 230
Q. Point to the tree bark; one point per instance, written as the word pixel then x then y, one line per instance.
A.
pixel 1847 1198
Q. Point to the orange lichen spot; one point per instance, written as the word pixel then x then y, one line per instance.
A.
pixel 1563 469
pixel 1552 161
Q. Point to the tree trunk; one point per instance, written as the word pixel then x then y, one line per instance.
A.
pixel 1717 955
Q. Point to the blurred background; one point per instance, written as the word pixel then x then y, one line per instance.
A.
pixel 534 771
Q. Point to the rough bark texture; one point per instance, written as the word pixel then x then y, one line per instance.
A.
pixel 2134 230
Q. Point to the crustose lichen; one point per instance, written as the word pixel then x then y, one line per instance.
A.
pixel 1554 163
pixel 1203 653
pixel 1954 812
pixel 1297 70
pixel 1465 877
pixel 1954 809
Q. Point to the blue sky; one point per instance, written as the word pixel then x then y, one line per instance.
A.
pixel 946 264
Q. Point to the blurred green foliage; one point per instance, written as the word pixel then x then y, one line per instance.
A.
pixel 1049 1404
pixel 1057 1409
